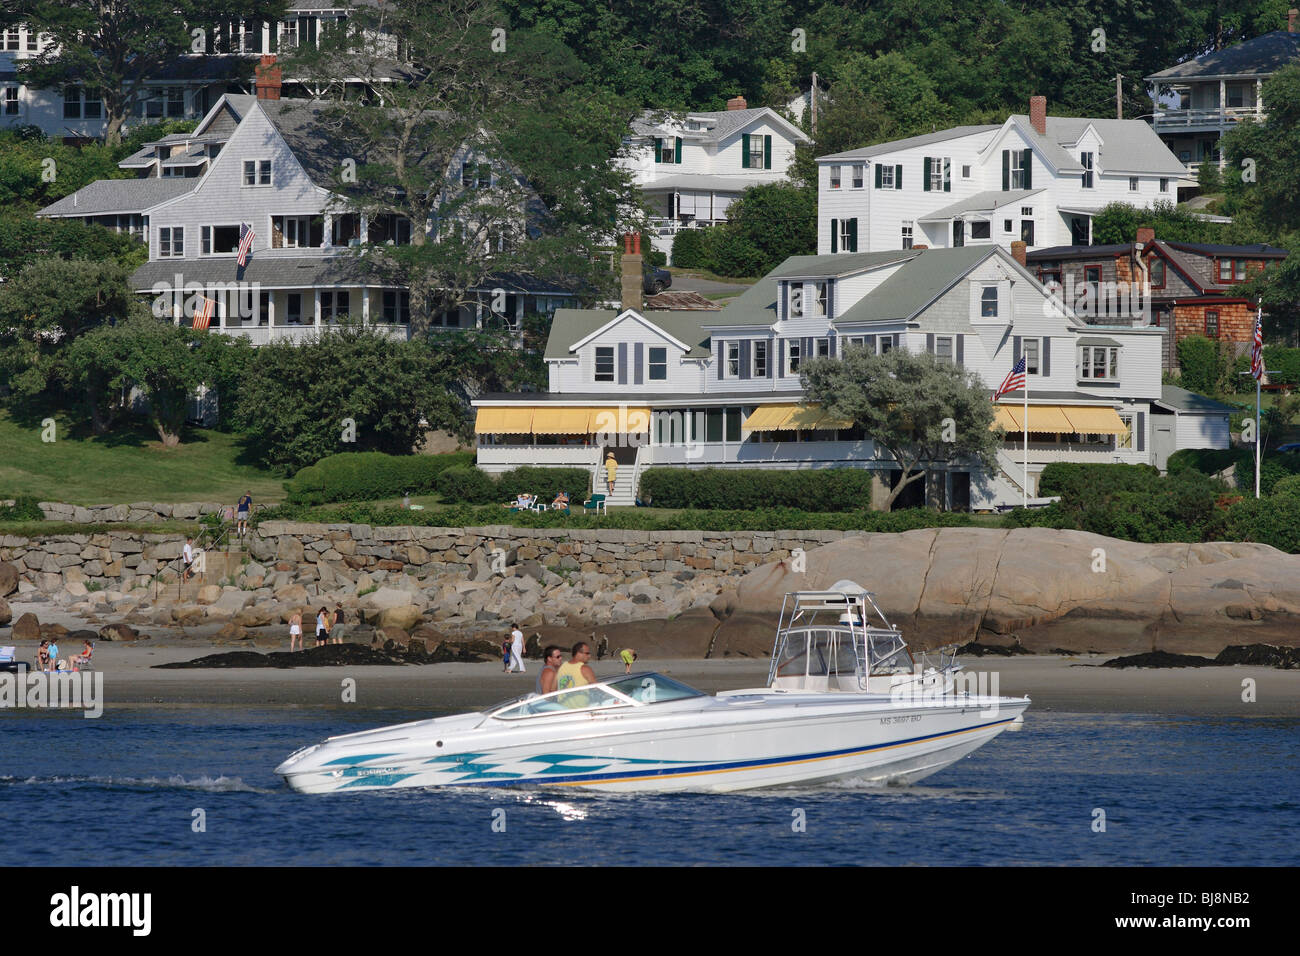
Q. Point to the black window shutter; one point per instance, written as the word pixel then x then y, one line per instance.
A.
pixel 929 342
pixel 780 357
pixel 1047 356
pixel 835 235
pixel 744 358
pixel 677 151
pixel 638 363
pixel 785 300
pixel 853 235
pixel 830 297
pixel 947 175
pixel 1006 170
pixel 898 176
pixel 1029 169
pixel 744 151
pixel 659 145
pixel 622 363
pixel 1015 348
pixel 879 179
pixel 771 358
pixel 831 348
pixel 1141 431
pixel 722 351
pixel 767 152
pixel 961 350
pixel 925 182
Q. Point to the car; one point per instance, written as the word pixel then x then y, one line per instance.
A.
pixel 1290 446
pixel 656 280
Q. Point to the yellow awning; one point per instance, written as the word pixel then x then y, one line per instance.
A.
pixel 517 421
pixel 830 421
pixel 804 417
pixel 788 417
pixel 560 420
pixel 489 421
pixel 1092 420
pixel 1047 418
pixel 1006 418
pixel 619 420
pixel 767 418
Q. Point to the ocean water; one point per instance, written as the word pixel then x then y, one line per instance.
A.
pixel 131 788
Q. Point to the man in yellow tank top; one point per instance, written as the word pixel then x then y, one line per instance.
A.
pixel 576 672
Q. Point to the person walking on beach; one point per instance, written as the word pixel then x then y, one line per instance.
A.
pixel 552 658
pixel 517 648
pixel 336 629
pixel 576 672
pixel 611 471
pixel 242 509
pixel 323 627
pixel 295 630
pixel 628 657
pixel 187 558
pixel 505 654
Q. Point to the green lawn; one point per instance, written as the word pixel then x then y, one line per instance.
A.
pixel 126 466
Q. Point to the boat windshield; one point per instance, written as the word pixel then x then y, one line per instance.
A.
pixel 633 690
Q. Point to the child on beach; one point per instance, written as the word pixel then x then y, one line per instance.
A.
pixel 627 656
pixel 505 655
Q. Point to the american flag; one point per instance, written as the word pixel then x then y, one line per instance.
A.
pixel 1015 379
pixel 203 318
pixel 1257 348
pixel 246 237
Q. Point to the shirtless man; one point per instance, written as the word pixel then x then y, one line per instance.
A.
pixel 295 630
pixel 552 657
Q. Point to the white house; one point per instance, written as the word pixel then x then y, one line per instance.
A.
pixel 697 389
pixel 691 167
pixel 1035 178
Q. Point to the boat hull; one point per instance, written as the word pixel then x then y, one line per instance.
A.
pixel 721 744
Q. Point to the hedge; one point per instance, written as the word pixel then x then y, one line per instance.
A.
pixel 691 249
pixel 1208 461
pixel 24 508
pixel 469 485
pixel 367 475
pixel 1074 481
pixel 829 489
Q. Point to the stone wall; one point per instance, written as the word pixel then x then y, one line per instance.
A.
pixel 122 559
pixel 137 512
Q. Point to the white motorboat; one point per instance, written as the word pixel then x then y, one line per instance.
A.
pixel 844 700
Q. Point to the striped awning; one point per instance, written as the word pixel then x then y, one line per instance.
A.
pixel 561 420
pixel 1094 420
pixel 1061 419
pixel 619 420
pixel 788 417
pixel 1006 418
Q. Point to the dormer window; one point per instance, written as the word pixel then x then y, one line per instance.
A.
pixel 989 302
pixel 1098 363
pixel 1157 273
pixel 257 172
pixel 796 300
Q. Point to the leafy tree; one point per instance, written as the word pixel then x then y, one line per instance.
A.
pixel 903 401
pixel 24 240
pixel 1262 174
pixel 493 149
pixel 35 171
pixel 166 363
pixel 1119 221
pixel 114 46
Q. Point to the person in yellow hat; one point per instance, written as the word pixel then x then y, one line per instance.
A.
pixel 611 470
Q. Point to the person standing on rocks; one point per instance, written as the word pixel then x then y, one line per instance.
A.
pixel 517 648
pixel 552 658
pixel 323 627
pixel 295 630
pixel 241 510
pixel 336 631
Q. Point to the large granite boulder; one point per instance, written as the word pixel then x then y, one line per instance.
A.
pixel 8 579
pixel 27 628
pixel 6 613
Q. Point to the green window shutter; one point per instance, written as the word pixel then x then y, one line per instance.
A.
pixel 1028 177
pixel 947 175
pixel 925 183
pixel 898 176
pixel 677 151
pixel 767 152
pixel 659 146
pixel 853 235
pixel 835 235
pixel 879 180
pixel 1006 170
pixel 744 151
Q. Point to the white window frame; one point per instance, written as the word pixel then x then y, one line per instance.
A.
pixel 822 347
pixel 859 175
pixel 758 359
pixel 1017 168
pixel 937 166
pixel 836 177
pixel 597 359
pixel 731 360
pixel 171 242
pixel 985 300
pixel 855 342
pixel 1034 368
pixel 1127 442
pixel 1133 183
pixel 796 300
pixel 757 151
pixel 1087 161
pixel 951 343
pixel 207 238
pixel 887 176
pixel 11 105
pixel 1086 363
pixel 652 363
pixel 908 238
pixel 845 234
pixel 1164 184
pixel 259 171
pixel 793 356
pixel 820 300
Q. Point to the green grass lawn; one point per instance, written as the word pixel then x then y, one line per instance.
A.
pixel 127 465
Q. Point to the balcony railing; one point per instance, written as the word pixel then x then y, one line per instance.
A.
pixel 262 334
pixel 1215 116
pixel 670 227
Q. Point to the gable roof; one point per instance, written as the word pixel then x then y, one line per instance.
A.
pixel 1260 56
pixel 981 202
pixel 1181 400
pixel 838 264
pixel 1079 252
pixel 105 196
pixel 925 139
pixel 725 123
pixel 1127 146
pixel 571 326
pixel 916 284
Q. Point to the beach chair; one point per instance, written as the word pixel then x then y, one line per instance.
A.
pixel 595 505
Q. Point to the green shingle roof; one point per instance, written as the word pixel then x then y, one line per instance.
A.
pixel 573 325
pixel 916 284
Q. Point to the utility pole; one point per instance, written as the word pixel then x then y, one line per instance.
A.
pixel 1119 96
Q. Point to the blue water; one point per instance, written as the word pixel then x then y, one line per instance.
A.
pixel 122 790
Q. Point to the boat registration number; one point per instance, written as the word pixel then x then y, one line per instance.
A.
pixel 903 719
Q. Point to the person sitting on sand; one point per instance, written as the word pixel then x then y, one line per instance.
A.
pixel 322 627
pixel 628 657
pixel 295 630
pixel 43 656
pixel 84 657
pixel 552 658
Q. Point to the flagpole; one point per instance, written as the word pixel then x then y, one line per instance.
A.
pixel 1024 484
pixel 1259 424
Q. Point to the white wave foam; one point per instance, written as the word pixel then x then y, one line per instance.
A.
pixel 219 784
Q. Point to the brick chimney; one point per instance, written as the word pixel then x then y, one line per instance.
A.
pixel 1038 114
pixel 268 78
pixel 920 246
pixel 632 276
pixel 737 103
pixel 1292 16
pixel 1018 252
pixel 1145 235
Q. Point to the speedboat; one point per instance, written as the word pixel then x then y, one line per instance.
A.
pixel 844 700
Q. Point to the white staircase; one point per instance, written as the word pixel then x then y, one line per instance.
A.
pixel 625 480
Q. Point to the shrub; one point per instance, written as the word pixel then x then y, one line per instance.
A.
pixel 1274 521
pixel 1283 365
pixel 690 249
pixel 1207 461
pixel 1204 364
pixel 546 483
pixel 832 489
pixel 736 254
pixel 656 259
pixel 1273 468
pixel 363 476
pixel 24 508
pixel 1075 481
pixel 1288 487
pixel 466 484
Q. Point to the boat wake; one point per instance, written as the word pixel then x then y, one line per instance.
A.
pixel 206 784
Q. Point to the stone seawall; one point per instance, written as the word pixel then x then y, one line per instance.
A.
pixel 135 513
